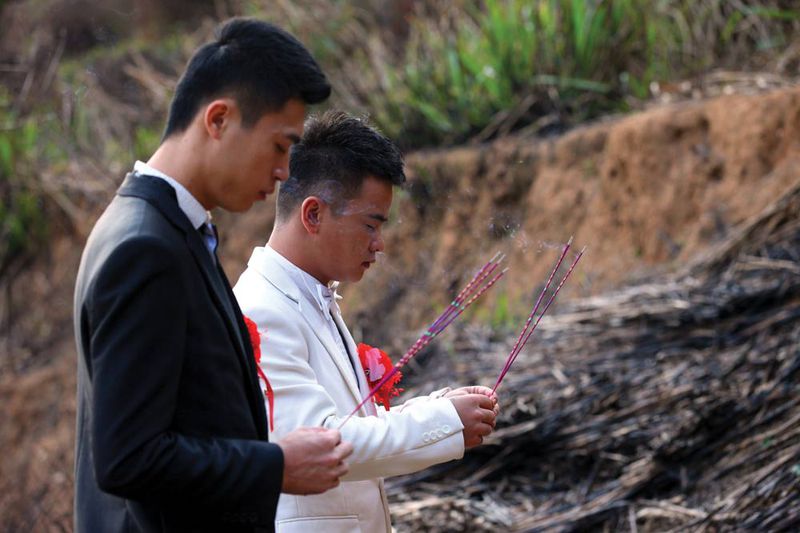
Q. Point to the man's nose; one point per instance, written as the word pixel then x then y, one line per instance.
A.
pixel 281 172
pixel 378 243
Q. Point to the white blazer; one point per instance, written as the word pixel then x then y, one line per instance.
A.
pixel 315 385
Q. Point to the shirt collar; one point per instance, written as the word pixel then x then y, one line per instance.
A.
pixel 192 208
pixel 321 296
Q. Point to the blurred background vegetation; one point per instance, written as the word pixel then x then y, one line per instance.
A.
pixel 84 86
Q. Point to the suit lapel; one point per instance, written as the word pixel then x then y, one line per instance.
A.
pixel 274 273
pixel 216 286
pixel 223 298
pixel 324 335
pixel 161 195
pixel 363 386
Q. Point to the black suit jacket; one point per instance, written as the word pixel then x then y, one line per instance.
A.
pixel 171 424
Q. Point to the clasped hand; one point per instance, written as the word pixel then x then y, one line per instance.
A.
pixel 313 460
pixel 478 408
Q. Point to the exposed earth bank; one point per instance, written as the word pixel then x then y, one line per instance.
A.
pixel 644 193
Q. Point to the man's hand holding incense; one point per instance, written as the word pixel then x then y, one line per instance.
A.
pixel 478 412
pixel 477 389
pixel 313 460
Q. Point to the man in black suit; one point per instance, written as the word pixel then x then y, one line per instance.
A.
pixel 171 423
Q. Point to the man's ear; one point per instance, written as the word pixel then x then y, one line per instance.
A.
pixel 218 115
pixel 311 214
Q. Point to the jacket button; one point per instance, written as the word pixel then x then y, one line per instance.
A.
pixel 446 428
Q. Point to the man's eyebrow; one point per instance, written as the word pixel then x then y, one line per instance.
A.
pixel 293 137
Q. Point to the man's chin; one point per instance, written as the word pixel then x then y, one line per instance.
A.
pixel 244 206
pixel 355 277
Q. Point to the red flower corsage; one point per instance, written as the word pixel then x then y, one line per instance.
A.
pixel 255 342
pixel 376 364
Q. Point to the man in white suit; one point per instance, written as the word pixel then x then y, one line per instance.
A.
pixel 328 229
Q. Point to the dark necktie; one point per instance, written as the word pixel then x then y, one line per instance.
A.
pixel 209 233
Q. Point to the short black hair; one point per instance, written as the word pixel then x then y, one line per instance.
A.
pixel 258 64
pixel 334 156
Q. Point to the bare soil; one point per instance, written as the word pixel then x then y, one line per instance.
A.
pixel 645 193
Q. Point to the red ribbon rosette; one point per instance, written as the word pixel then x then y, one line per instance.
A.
pixel 376 364
pixel 255 342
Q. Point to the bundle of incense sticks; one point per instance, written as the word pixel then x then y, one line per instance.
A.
pixel 528 330
pixel 479 284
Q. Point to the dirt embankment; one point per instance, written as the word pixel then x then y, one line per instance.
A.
pixel 645 193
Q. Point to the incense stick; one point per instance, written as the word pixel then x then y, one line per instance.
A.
pixel 526 333
pixel 535 310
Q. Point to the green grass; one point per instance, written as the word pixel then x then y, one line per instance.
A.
pixel 465 68
pixel 145 142
pixel 22 223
